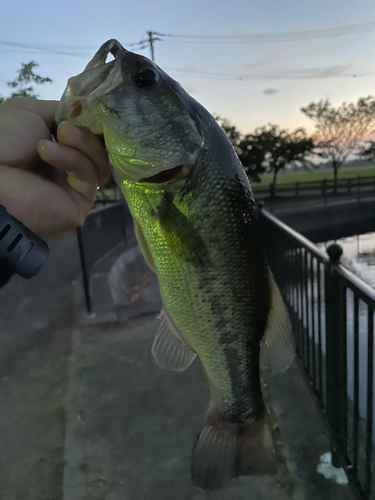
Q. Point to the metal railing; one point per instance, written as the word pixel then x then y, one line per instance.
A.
pixel 332 313
pixel 103 233
pixel 324 187
pixel 109 195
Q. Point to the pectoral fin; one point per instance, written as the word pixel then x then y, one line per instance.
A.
pixel 184 240
pixel 144 248
pixel 169 349
pixel 277 346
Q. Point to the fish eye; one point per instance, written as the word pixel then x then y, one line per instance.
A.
pixel 146 78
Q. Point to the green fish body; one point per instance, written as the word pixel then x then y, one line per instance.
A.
pixel 208 287
pixel 195 221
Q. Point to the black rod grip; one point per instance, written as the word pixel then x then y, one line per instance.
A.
pixel 20 248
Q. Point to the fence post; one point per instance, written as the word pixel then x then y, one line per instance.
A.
pixel 349 185
pixel 336 352
pixel 324 191
pixel 297 188
pixel 85 274
pixel 125 212
pixel 358 187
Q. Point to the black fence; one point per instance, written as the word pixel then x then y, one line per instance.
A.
pixel 104 231
pixel 325 187
pixel 332 313
pixel 108 196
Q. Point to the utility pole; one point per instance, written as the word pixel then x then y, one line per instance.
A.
pixel 152 37
pixel 151 40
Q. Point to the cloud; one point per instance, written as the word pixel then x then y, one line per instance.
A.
pixel 256 64
pixel 269 91
pixel 327 72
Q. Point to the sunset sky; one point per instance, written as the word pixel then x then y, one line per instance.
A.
pixel 287 65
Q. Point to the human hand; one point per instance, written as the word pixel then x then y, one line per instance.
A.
pixel 49 186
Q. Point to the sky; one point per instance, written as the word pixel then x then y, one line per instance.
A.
pixel 250 84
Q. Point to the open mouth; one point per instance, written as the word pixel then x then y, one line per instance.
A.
pixel 164 176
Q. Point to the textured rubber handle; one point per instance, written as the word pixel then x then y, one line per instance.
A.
pixel 19 247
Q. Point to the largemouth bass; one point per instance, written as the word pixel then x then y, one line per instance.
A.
pixel 195 221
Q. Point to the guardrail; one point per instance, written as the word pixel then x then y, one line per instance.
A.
pixel 332 313
pixel 325 187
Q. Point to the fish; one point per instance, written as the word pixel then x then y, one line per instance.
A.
pixel 195 220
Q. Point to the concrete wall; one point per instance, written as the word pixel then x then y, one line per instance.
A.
pixel 332 222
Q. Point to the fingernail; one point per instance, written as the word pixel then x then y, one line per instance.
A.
pixel 66 128
pixel 43 144
pixel 76 183
pixel 47 146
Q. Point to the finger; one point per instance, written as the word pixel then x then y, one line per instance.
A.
pixel 89 144
pixel 22 125
pixel 81 171
pixel 45 109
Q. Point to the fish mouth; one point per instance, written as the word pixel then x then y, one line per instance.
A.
pixel 163 176
pixel 111 46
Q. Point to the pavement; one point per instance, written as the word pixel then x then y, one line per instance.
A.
pixel 86 415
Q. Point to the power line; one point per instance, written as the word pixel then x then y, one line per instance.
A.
pixel 272 37
pixel 319 74
pixel 81 51
pixel 290 36
pixel 41 48
pixel 153 36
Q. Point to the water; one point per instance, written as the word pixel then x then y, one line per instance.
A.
pixel 358 255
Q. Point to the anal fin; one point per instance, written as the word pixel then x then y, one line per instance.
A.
pixel 169 349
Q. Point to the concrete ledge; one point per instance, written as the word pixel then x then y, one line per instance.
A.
pixel 305 434
pixel 337 220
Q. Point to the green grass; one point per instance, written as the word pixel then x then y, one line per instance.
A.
pixel 311 175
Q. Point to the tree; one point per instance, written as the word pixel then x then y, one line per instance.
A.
pixel 269 148
pixel 230 130
pixel 367 152
pixel 276 149
pixel 339 131
pixel 251 159
pixel 22 84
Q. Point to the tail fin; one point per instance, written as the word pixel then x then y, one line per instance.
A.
pixel 224 451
